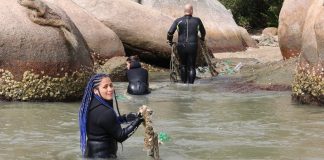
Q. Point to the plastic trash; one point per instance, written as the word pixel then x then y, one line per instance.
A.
pixel 164 137
pixel 120 97
pixel 238 67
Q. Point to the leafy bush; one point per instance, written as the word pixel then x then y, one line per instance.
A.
pixel 254 14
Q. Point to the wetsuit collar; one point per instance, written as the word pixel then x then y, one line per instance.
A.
pixel 95 103
pixel 187 15
pixel 135 64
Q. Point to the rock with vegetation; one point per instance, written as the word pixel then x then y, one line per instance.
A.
pixel 42 54
pixel 308 86
pixel 103 42
pixel 223 34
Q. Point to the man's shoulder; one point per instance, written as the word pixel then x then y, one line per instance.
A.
pixel 197 18
pixel 179 19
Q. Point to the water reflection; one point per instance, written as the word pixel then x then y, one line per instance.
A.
pixel 203 121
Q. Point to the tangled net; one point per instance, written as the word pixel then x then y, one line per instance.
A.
pixel 151 142
pixel 204 57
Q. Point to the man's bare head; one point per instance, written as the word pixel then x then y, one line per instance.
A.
pixel 188 9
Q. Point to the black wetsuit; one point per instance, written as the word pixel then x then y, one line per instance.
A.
pixel 104 131
pixel 138 79
pixel 188 28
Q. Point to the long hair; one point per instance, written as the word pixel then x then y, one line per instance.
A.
pixel 83 113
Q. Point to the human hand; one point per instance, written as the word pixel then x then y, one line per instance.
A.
pixel 131 116
pixel 170 43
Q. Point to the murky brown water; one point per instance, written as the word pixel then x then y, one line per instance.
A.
pixel 203 123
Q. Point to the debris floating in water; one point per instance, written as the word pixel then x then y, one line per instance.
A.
pixel 164 137
pixel 120 97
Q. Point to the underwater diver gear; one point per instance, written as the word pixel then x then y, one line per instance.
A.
pixel 128 117
pixel 84 108
pixel 138 79
pixel 183 73
pixel 187 47
pixel 187 55
pixel 101 149
pixel 192 75
pixel 104 130
pixel 188 28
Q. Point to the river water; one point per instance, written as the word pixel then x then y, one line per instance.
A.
pixel 203 121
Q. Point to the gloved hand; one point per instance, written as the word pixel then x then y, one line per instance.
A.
pixel 131 116
pixel 170 43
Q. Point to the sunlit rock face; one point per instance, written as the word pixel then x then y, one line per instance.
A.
pixel 41 62
pixel 291 24
pixel 223 34
pixel 101 40
pixel 143 28
pixel 308 86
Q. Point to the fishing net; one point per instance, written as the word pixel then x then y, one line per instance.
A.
pixel 204 58
pixel 151 138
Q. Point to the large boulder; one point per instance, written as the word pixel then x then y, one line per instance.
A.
pixel 140 28
pixel 102 40
pixel 116 67
pixel 223 34
pixel 270 31
pixel 308 86
pixel 291 23
pixel 143 29
pixel 41 62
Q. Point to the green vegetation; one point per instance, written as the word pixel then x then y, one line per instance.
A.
pixel 254 14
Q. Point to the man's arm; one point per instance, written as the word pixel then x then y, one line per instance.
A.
pixel 202 30
pixel 171 31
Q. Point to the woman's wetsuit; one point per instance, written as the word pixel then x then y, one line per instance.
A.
pixel 188 28
pixel 138 79
pixel 104 130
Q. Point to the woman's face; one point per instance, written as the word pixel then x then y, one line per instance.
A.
pixel 105 89
pixel 128 64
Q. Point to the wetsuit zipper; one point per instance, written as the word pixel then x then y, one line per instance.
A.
pixel 187 29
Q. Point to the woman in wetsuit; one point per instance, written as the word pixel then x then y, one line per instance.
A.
pixel 100 126
pixel 137 77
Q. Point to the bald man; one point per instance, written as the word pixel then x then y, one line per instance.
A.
pixel 188 27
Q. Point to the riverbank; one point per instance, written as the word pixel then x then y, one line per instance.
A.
pixel 248 71
pixel 257 69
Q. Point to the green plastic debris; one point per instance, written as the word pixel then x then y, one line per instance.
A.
pixel 230 71
pixel 164 137
pixel 228 62
pixel 120 97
